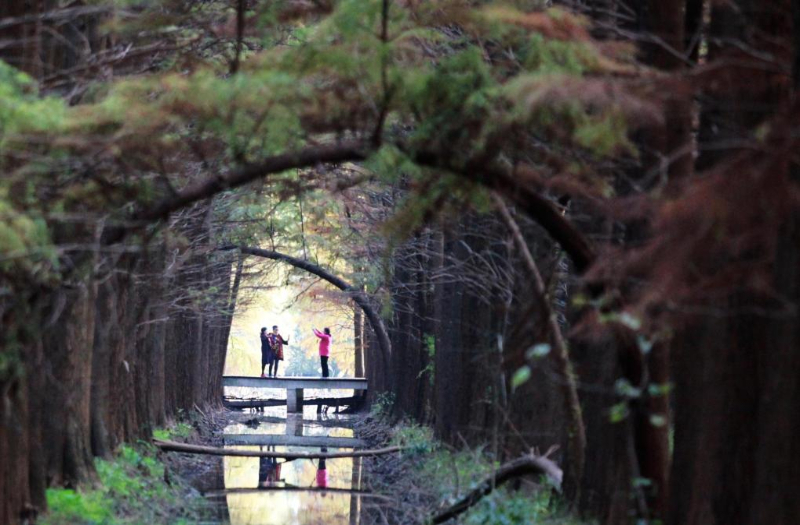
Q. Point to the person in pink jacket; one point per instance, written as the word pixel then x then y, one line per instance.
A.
pixel 324 348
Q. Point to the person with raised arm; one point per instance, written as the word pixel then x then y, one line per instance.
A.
pixel 324 348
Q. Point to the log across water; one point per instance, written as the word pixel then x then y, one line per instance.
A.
pixel 174 446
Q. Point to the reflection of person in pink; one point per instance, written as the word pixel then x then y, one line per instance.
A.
pixel 324 348
pixel 322 473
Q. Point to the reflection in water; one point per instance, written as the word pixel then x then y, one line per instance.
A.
pixel 269 470
pixel 322 472
pixel 296 492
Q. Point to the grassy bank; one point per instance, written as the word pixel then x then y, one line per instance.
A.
pixel 132 489
pixel 430 477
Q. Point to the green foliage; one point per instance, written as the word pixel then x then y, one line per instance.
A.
pixel 448 475
pixel 70 506
pixel 383 404
pixel 513 71
pixel 504 507
pixel 619 412
pixel 551 57
pixel 418 439
pixel 177 431
pixel 538 351
pixel 131 491
pixel 430 367
pixel 520 377
pixel 22 110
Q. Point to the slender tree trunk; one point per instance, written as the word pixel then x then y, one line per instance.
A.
pixel 358 341
pixel 672 150
pixel 560 356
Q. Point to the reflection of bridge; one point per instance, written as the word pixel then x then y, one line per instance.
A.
pixel 295 385
pixel 293 436
pixel 291 441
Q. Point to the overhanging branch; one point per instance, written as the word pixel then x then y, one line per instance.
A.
pixel 493 176
pixel 210 186
pixel 344 152
pixel 509 183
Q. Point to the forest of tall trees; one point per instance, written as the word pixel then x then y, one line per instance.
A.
pixel 571 223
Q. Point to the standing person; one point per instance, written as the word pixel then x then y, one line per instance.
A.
pixel 267 355
pixel 324 348
pixel 277 341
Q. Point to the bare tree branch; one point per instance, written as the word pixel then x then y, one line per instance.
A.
pixel 560 354
pixel 523 466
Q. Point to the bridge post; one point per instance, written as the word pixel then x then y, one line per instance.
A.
pixel 294 400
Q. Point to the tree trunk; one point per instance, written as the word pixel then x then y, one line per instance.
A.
pixel 358 342
pixel 736 458
pixel 68 344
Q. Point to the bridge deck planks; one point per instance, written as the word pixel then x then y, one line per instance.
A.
pixel 333 383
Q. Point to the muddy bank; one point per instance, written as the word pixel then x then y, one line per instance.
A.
pixel 392 476
pixel 202 473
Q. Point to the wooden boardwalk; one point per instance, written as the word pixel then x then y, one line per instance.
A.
pixel 294 386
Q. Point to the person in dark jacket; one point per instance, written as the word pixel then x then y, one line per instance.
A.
pixel 276 341
pixel 267 353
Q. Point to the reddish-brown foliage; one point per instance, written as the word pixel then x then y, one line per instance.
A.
pixel 718 236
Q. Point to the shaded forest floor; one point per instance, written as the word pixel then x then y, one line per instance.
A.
pixel 429 477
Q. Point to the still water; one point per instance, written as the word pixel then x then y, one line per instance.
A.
pixel 297 492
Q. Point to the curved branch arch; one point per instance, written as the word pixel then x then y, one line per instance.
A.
pixel 358 296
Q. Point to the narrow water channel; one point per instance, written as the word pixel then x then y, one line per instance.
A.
pixel 267 491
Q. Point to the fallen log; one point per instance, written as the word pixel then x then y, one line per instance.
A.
pixel 288 488
pixel 525 465
pixel 186 448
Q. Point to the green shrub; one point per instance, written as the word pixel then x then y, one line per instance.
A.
pixel 417 439
pixel 131 491
pixel 383 404
pixel 179 430
pixel 448 475
pixel 77 507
